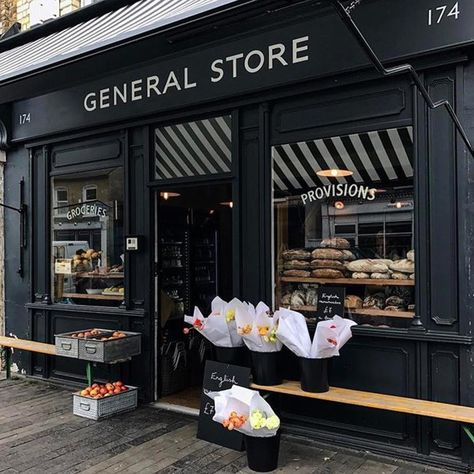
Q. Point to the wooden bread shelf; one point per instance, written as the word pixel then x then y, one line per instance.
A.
pixel 348 281
pixel 86 296
pixel 366 312
pixel 100 275
pixel 382 313
pixel 412 406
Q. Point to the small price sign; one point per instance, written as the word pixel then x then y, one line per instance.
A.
pixel 331 301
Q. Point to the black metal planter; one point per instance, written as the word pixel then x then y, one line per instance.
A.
pixel 314 375
pixel 265 368
pixel 262 453
pixel 230 355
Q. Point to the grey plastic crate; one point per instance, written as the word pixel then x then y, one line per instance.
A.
pixel 111 351
pixel 89 349
pixel 67 346
pixel 98 409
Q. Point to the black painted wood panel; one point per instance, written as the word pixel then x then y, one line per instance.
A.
pixel 441 156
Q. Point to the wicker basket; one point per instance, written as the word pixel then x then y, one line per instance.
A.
pixel 98 409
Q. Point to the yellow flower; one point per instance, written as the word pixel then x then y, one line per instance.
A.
pixel 263 330
pixel 230 315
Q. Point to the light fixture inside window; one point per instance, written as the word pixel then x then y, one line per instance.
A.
pixel 227 203
pixel 166 195
pixel 339 205
pixel 398 205
pixel 334 173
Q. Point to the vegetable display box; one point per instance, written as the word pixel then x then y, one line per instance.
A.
pixel 98 345
pixel 100 408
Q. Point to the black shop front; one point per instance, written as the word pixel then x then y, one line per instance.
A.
pixel 209 158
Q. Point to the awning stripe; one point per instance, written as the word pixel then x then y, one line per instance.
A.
pixel 126 22
pixel 193 148
pixel 374 157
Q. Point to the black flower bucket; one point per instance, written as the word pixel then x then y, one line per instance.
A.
pixel 314 375
pixel 231 355
pixel 265 368
pixel 262 453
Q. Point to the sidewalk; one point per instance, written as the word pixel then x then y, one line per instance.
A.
pixel 39 434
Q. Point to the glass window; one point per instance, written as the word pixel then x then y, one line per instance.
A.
pixel 88 239
pixel 343 213
pixel 89 192
pixel 60 200
pixel 195 148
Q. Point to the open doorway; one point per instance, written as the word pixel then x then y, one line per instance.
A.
pixel 194 262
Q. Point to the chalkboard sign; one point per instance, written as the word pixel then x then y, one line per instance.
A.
pixel 331 301
pixel 218 377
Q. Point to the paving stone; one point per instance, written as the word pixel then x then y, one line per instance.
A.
pixel 39 433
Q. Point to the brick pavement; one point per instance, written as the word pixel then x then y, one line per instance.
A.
pixel 39 434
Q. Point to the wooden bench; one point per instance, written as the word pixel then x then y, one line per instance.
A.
pixel 9 343
pixel 412 406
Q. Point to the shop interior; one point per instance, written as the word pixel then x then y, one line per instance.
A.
pixel 194 255
pixel 344 217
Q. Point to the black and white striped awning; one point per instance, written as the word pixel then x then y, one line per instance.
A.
pixel 383 156
pixel 112 27
pixel 193 148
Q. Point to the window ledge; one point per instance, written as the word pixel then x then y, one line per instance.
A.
pixel 76 308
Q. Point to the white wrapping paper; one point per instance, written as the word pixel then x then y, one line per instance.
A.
pixel 219 327
pixel 256 328
pixel 329 337
pixel 243 401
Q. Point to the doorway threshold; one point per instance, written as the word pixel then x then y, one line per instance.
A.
pixel 176 408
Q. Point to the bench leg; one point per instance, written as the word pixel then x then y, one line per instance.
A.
pixel 89 375
pixel 468 432
pixel 8 361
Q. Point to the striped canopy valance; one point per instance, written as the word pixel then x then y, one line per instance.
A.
pixel 382 156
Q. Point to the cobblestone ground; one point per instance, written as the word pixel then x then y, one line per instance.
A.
pixel 39 434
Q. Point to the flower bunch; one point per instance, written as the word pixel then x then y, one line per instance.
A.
pixel 234 421
pixel 259 420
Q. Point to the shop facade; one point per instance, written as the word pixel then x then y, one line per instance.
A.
pixel 157 181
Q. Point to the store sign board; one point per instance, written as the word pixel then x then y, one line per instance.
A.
pixel 219 377
pixel 331 301
pixel 258 61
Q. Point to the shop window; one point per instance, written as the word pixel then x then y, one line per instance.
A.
pixel 343 213
pixel 195 148
pixel 89 192
pixel 60 200
pixel 88 239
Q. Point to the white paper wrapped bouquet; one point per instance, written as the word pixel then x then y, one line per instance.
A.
pixel 258 328
pixel 246 411
pixel 219 327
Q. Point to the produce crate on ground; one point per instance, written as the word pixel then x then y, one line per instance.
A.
pixel 100 408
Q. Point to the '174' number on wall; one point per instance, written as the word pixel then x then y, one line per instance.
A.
pixel 25 118
pixel 438 14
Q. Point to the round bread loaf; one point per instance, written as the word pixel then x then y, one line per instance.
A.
pixel 353 302
pixel 360 275
pixel 335 243
pixel 327 254
pixel 404 266
pixel 348 255
pixel 322 263
pixel 297 273
pixel 296 254
pixel 297 265
pixel 327 273
pixel 399 276
pixel 380 276
pixel 368 265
